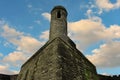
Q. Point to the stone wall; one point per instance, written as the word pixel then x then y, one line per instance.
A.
pixel 58 60
pixel 43 65
pixel 13 77
pixel 101 77
pixel 76 64
pixel 8 77
pixel 113 77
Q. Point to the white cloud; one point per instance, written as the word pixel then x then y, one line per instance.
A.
pixel 15 57
pixel 107 5
pixel 46 16
pixel 112 32
pixel 89 12
pixel 45 35
pixel 10 32
pixel 4 69
pixel 25 46
pixel 29 6
pixel 28 44
pixel 1 55
pixel 86 31
pixel 23 42
pixel 107 55
pixel 89 31
pixel 33 9
pixel 38 21
pixel 31 27
pixel 1 22
pixel 6 44
pixel 106 74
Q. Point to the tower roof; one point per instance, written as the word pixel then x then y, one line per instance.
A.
pixel 59 7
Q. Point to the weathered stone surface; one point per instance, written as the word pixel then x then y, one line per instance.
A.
pixel 44 65
pixel 113 77
pixel 4 77
pixel 8 77
pixel 58 61
pixel 58 24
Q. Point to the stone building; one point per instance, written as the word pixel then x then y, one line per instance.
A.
pixel 58 59
pixel 8 77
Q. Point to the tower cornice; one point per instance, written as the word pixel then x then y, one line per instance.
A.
pixel 59 7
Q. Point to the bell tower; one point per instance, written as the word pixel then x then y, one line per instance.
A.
pixel 58 25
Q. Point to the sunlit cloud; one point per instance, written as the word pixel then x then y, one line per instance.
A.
pixel 46 15
pixel 106 5
pixel 107 55
pixel 25 47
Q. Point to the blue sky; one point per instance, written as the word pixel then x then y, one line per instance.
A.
pixel 92 24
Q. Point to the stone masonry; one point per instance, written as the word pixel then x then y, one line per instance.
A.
pixel 58 59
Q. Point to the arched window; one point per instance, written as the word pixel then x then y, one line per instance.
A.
pixel 58 14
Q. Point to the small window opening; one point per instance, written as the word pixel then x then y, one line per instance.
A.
pixel 58 14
